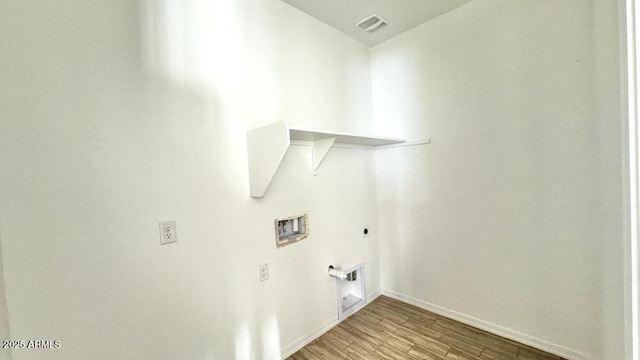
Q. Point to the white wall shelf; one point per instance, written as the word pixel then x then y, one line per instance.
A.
pixel 267 145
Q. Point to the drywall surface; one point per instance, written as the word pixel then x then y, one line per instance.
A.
pixel 506 216
pixel 117 115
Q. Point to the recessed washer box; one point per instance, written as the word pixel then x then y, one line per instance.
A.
pixel 351 291
pixel 291 229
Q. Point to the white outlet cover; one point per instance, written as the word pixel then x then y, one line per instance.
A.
pixel 263 270
pixel 168 232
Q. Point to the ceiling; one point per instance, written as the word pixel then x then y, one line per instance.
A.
pixel 401 15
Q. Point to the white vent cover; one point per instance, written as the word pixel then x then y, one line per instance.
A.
pixel 372 23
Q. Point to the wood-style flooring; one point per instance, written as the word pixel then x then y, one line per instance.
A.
pixel 390 329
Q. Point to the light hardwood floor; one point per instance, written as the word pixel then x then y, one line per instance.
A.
pixel 390 329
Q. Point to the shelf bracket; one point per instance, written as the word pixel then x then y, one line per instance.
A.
pixel 320 149
pixel 266 147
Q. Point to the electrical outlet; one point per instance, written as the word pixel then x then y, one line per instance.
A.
pixel 264 272
pixel 168 233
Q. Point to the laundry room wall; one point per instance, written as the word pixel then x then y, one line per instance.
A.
pixel 118 115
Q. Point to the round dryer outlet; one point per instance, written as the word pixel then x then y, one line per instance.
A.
pixel 365 231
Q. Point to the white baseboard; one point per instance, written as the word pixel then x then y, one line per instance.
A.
pixel 373 295
pixel 490 327
pixel 305 339
pixel 315 333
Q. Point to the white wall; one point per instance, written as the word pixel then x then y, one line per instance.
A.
pixel 512 216
pixel 116 115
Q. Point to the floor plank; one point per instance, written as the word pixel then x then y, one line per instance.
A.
pixel 326 351
pixel 390 329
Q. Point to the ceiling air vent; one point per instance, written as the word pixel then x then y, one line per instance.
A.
pixel 372 23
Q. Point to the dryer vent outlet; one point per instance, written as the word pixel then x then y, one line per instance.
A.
pixel 372 23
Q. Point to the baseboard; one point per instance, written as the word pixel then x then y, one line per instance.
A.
pixel 373 295
pixel 305 339
pixel 490 327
